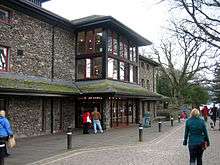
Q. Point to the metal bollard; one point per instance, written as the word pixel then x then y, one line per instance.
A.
pixel 171 121
pixel 69 137
pixel 179 119
pixel 159 125
pixel 140 132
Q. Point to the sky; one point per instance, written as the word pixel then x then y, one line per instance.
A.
pixel 146 17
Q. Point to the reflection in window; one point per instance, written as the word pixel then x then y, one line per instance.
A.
pixel 3 58
pixel 122 71
pixel 109 42
pixel 121 49
pixel 112 68
pixel 98 40
pixel 135 68
pixel 125 50
pixel 115 44
pixel 148 84
pixel 89 42
pixel 81 43
pixel 132 54
pixel 88 68
pixel 81 68
pixel 97 67
pixel 131 76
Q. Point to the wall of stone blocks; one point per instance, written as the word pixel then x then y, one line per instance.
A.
pixel 34 37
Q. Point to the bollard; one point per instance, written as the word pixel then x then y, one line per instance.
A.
pixel 140 132
pixel 2 146
pixel 69 137
pixel 179 119
pixel 159 125
pixel 171 121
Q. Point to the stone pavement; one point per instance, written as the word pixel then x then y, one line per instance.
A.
pixel 117 146
pixel 30 150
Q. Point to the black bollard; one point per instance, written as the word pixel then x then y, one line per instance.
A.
pixel 159 125
pixel 140 132
pixel 171 121
pixel 69 137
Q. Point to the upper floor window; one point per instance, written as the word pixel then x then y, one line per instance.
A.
pixel 132 54
pixel 89 68
pixel 4 15
pixel 90 42
pixel 142 82
pixel 123 49
pixel 3 58
pixel 112 43
pixel 112 68
pixel 148 84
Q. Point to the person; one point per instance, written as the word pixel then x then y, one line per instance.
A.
pixel 183 116
pixel 213 114
pixel 5 133
pixel 197 136
pixel 96 116
pixel 205 113
pixel 86 122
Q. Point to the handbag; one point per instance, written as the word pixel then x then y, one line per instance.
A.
pixel 11 142
pixel 204 145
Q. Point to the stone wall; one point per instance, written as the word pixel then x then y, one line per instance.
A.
pixel 34 38
pixel 147 73
pixel 25 114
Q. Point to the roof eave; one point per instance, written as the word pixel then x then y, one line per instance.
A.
pixel 141 41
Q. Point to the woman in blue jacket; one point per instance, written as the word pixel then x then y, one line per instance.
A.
pixel 5 133
pixel 197 137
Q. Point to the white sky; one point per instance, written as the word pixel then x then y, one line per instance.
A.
pixel 143 16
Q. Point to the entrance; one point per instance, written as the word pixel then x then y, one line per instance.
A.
pixel 87 104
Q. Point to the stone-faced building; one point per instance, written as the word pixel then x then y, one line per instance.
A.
pixel 53 69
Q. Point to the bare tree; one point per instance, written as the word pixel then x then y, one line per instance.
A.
pixel 205 16
pixel 181 59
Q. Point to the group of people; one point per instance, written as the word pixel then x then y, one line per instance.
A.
pixel 212 112
pixel 91 119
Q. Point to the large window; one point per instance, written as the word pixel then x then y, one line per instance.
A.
pixel 122 71
pixel 112 68
pixel 90 42
pixel 89 68
pixel 3 58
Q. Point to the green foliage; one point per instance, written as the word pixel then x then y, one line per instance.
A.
pixel 164 86
pixel 195 95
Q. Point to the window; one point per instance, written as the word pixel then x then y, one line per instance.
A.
pixel 3 58
pixel 131 73
pixel 81 68
pixel 135 74
pixel 81 44
pixel 142 65
pixel 112 43
pixel 90 42
pixel 148 84
pixel 142 82
pixel 122 71
pixel 97 67
pixel 98 40
pixel 4 15
pixel 112 68
pixel 123 48
pixel 132 54
pixel 89 68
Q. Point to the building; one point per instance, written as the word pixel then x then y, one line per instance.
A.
pixel 53 69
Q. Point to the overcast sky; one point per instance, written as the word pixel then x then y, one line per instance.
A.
pixel 144 16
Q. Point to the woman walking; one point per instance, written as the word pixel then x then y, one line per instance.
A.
pixel 197 137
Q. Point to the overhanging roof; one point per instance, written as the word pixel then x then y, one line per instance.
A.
pixel 109 21
pixel 37 88
pixel 114 88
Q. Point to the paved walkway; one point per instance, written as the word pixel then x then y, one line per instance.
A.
pixel 117 146
pixel 30 150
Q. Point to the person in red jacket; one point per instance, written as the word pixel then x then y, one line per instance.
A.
pixel 205 112
pixel 86 122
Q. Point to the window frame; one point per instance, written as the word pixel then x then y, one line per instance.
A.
pixel 6 59
pixel 9 17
